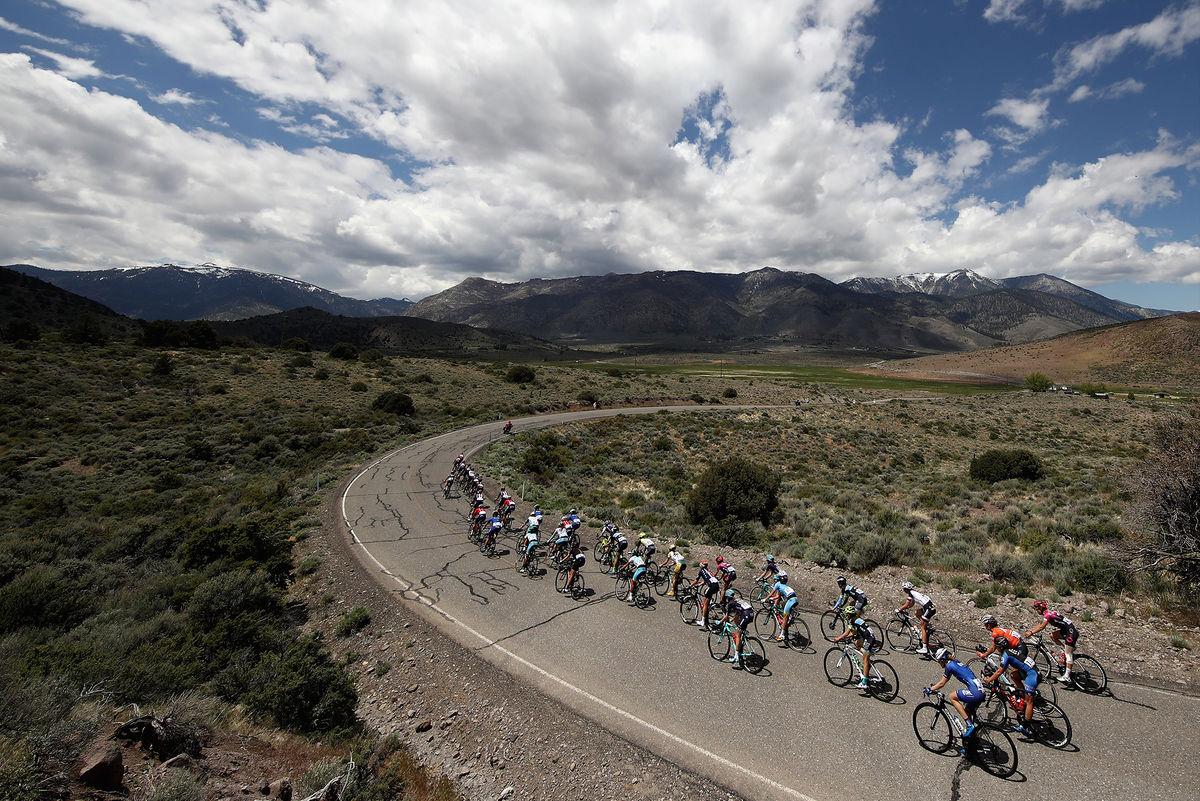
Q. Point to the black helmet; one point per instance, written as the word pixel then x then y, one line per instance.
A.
pixel 841 581
pixel 1001 642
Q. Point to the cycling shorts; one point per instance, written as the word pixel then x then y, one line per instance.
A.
pixel 1072 636
pixel 637 574
pixel 710 590
pixel 678 568
pixel 928 612
pixel 532 544
pixel 744 620
pixel 970 698
pixel 789 603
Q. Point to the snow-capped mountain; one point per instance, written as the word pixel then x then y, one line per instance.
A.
pixel 205 292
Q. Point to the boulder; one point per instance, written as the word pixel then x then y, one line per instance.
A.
pixel 102 767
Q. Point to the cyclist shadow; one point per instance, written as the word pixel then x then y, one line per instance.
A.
pixel 1108 693
pixel 965 763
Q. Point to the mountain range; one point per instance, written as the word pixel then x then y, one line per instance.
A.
pixel 954 312
pixel 206 292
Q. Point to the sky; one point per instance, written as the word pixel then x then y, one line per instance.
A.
pixel 395 147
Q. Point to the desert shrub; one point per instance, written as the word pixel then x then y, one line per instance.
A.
pixel 20 778
pixel 19 329
pixel 824 551
pixel 1093 572
pixel 344 351
pixel 370 356
pixel 296 343
pixel 297 362
pixel 178 785
pixel 955 553
pixel 873 550
pixel 1000 465
pixel 1006 567
pixel 354 620
pixel 984 599
pixel 200 334
pixel 1038 382
pixel 520 374
pixel 394 403
pixel 545 456
pixel 730 532
pixel 729 392
pixel 164 365
pixel 587 396
pixel 736 488
pixel 303 689
pixel 358 386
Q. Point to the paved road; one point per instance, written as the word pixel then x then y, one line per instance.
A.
pixel 784 734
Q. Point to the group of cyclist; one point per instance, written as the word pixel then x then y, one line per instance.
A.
pixel 714 584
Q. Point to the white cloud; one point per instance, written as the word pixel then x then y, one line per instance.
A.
pixel 69 66
pixel 1011 10
pixel 1128 86
pixel 176 97
pixel 551 135
pixel 1167 35
pixel 15 28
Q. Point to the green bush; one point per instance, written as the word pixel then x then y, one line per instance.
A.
pixel 520 374
pixel 824 551
pixel 358 386
pixel 1006 567
pixel 18 329
pixel 370 356
pixel 1000 465
pixel 344 351
pixel 736 488
pixel 984 599
pixel 354 620
pixel 296 343
pixel 303 689
pixel 545 456
pixel 394 403
pixel 1096 573
pixel 729 392
pixel 1037 382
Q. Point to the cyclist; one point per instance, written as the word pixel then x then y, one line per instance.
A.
pixel 677 562
pixel 619 544
pixel 478 515
pixel 572 520
pixel 1021 668
pixel 502 496
pixel 928 610
pixel 558 548
pixel 462 457
pixel 728 572
pixel 785 598
pixel 494 527
pixel 863 640
pixel 576 561
pixel 965 701
pixel 771 569
pixel 710 586
pixel 637 566
pixel 508 427
pixel 448 485
pixel 534 521
pixel 1064 633
pixel 850 595
pixel 741 612
pixel 531 542
pixel 1016 644
pixel 645 546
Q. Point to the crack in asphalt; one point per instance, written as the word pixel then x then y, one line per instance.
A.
pixel 496 584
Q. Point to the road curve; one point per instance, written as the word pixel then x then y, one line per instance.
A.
pixel 785 734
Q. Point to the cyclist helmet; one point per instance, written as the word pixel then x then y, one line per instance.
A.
pixel 1040 606
pixel 770 557
pixel 942 654
pixel 989 621
pixel 906 586
pixel 841 581
pixel 703 563
pixel 1001 642
pixel 728 593
pixel 572 511
pixel 781 577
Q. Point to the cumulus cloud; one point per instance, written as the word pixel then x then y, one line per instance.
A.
pixel 70 66
pixel 176 97
pixel 1167 35
pixel 554 139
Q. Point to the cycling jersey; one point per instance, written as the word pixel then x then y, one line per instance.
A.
pixel 787 596
pixel 1026 668
pixel 862 630
pixel 497 524
pixel 620 542
pixel 638 565
pixel 711 585
pixel 773 567
pixel 1015 643
pixel 920 599
pixel 531 540
pixel 974 692
pixel 578 560
pixel 677 558
pixel 533 523
pixel 561 535
pixel 1064 624
pixel 741 611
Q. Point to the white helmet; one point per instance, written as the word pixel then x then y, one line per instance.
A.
pixel 906 586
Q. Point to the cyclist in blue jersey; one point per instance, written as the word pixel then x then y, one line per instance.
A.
pixel 784 597
pixel 637 567
pixel 1025 669
pixel 965 701
pixel 531 542
pixel 494 527
pixel 740 612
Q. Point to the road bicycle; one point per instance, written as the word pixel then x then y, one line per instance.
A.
pixel 662 584
pixel 658 578
pixel 532 566
pixel 689 603
pixel 1087 674
pixel 904 634
pixel 577 588
pixel 1005 706
pixel 488 546
pixel 768 623
pixel 836 621
pixel 940 730
pixel 843 666
pixel 752 656
pixel 475 531
pixel 448 490
pixel 987 667
pixel 603 552
pixel 641 594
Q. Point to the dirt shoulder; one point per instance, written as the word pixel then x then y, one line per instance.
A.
pixel 484 729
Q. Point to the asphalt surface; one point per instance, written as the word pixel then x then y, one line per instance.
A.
pixel 786 733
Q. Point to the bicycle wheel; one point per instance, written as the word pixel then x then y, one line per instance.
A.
pixel 1044 662
pixel 1050 725
pixel 622 585
pixel 839 667
pixel 578 587
pixel 993 710
pixel 560 581
pixel 662 584
pixel 689 609
pixel 641 596
pixel 932 727
pixel 876 632
pixel 799 638
pixel 883 683
pixel 899 635
pixel 719 645
pixel 831 624
pixel 713 615
pixel 765 623
pixel 754 655
pixel 992 749
pixel 1088 675
pixel 533 568
pixel 941 639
